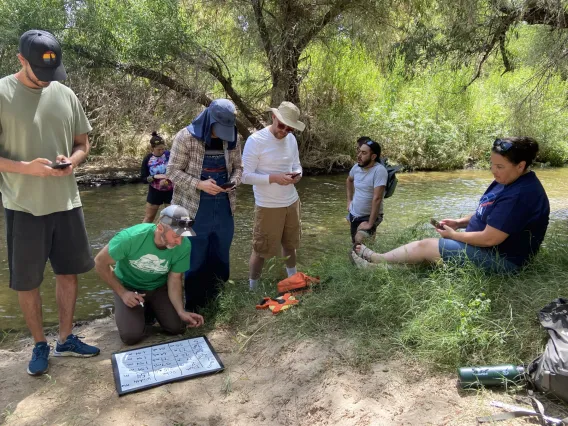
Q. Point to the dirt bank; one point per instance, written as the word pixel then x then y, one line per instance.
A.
pixel 267 381
pixel 99 171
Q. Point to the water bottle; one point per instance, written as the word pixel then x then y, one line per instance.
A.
pixel 490 375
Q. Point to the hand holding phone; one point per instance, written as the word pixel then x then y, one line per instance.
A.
pixel 228 185
pixel 60 165
pixel 293 175
pixel 436 224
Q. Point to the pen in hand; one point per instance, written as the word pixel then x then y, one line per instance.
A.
pixel 141 303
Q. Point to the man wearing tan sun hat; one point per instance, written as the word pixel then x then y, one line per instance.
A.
pixel 272 165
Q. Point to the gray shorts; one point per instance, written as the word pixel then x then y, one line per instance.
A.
pixel 60 237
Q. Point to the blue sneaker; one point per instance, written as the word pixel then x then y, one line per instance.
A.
pixel 74 347
pixel 39 365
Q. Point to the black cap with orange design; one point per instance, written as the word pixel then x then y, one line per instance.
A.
pixel 42 50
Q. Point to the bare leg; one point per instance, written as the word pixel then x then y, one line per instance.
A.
pixel 150 213
pixel 30 303
pixel 414 252
pixel 358 238
pixel 66 293
pixel 362 237
pixel 255 266
pixel 290 255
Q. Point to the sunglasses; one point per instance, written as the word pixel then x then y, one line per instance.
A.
pixel 372 145
pixel 182 222
pixel 282 126
pixel 502 146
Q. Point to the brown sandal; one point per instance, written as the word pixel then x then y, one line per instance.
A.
pixel 365 252
pixel 359 262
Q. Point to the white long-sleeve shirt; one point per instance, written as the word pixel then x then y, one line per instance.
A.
pixel 264 155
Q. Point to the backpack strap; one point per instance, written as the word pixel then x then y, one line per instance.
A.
pixel 516 411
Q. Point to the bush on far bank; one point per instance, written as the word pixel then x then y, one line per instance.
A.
pixel 424 119
pixel 429 121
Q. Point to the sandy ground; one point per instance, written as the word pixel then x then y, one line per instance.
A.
pixel 267 381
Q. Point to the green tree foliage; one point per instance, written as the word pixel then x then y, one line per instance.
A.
pixel 433 81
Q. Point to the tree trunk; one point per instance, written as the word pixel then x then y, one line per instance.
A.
pixel 285 80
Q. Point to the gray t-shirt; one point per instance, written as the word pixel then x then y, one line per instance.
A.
pixel 38 123
pixel 365 181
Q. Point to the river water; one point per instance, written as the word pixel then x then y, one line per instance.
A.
pixel 418 197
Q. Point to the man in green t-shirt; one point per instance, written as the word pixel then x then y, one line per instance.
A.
pixel 150 263
pixel 43 137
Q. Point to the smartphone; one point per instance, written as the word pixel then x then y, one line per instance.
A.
pixel 228 185
pixel 293 175
pixel 60 165
pixel 436 224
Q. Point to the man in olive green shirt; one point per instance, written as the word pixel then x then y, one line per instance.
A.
pixel 150 262
pixel 43 137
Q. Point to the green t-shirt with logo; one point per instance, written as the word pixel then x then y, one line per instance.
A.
pixel 39 123
pixel 140 264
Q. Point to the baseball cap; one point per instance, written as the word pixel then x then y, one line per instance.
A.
pixel 223 117
pixel 43 52
pixel 178 218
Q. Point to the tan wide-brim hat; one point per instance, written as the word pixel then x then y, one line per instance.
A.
pixel 288 113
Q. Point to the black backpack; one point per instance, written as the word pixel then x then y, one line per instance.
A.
pixel 392 180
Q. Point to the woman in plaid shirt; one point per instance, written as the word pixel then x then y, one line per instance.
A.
pixel 205 167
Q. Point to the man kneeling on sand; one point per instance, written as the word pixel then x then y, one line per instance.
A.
pixel 150 263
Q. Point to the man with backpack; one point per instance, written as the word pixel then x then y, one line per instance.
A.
pixel 366 186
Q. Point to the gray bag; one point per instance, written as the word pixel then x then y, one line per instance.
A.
pixel 549 372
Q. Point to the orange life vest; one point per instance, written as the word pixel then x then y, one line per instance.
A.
pixel 278 304
pixel 297 284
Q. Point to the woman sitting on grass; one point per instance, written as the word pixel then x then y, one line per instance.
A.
pixel 503 234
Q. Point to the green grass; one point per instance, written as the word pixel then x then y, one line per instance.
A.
pixel 445 316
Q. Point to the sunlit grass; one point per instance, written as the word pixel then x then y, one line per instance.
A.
pixel 446 316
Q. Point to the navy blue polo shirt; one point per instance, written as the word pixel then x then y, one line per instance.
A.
pixel 521 210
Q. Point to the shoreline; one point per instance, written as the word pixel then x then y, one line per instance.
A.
pixel 95 175
pixel 101 171
pixel 10 336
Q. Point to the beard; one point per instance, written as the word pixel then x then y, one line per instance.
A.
pixel 365 164
pixel 165 242
pixel 38 83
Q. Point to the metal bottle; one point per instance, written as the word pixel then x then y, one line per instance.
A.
pixel 490 375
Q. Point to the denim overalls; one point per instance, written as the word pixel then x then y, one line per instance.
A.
pixel 214 228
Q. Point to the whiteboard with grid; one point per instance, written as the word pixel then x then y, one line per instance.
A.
pixel 155 365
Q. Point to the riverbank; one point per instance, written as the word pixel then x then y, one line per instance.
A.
pixel 99 171
pixel 365 348
pixel 267 380
pixel 368 347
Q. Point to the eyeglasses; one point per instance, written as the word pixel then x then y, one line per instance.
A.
pixel 282 126
pixel 502 146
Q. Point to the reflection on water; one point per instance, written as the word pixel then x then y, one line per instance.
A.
pixel 418 196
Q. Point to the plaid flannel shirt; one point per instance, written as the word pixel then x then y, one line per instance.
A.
pixel 184 170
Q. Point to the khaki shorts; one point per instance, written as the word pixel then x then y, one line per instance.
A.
pixel 275 227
